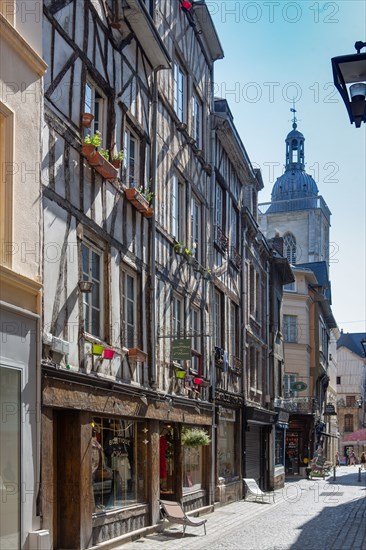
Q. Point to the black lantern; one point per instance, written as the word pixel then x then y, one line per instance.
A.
pixel 349 75
pixel 363 344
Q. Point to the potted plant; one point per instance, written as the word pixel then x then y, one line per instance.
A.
pixel 104 153
pixel 87 119
pixel 91 143
pixel 179 248
pixel 117 158
pixel 195 437
pixel 140 200
pixel 180 373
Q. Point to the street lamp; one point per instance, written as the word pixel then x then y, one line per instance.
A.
pixel 349 75
pixel 363 344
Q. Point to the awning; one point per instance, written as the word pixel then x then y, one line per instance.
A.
pixel 330 435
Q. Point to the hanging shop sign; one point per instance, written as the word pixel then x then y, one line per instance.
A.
pixel 329 410
pixel 182 349
pixel 298 386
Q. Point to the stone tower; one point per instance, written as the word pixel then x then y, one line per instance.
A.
pixel 297 212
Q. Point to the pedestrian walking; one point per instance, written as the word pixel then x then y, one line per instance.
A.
pixel 337 462
pixel 352 458
pixel 363 461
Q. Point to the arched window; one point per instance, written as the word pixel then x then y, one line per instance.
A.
pixel 289 243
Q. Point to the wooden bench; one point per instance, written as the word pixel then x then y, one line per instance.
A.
pixel 174 513
pixel 255 491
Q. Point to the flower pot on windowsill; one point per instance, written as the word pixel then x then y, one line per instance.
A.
pixel 99 163
pixel 87 119
pixel 97 349
pixel 108 354
pixel 116 163
pixel 191 260
pixel 139 202
pixel 137 354
pixel 180 373
pixel 179 249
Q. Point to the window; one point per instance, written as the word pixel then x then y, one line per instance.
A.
pixel 196 227
pixel 6 184
pixel 338 379
pixel 226 451
pixel 131 159
pixel 289 245
pixel 192 469
pixel 92 260
pixel 218 320
pixel 178 328
pixel 255 293
pixel 118 463
pixel 290 287
pixel 288 380
pixel 180 94
pixel 219 201
pixel 95 104
pixel 197 120
pixel 234 341
pixel 350 401
pixel 177 202
pixel 348 422
pixel 196 362
pixel 290 328
pixel 129 310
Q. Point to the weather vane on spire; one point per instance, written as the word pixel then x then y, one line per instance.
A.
pixel 293 110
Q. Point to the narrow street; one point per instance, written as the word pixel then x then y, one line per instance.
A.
pixel 318 514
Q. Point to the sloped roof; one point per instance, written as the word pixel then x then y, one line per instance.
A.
pixel 320 271
pixel 352 341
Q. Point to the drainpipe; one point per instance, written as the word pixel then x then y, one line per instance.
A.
pixel 211 289
pixel 244 301
pixel 152 262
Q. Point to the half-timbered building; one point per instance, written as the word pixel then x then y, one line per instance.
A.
pixel 126 176
pixel 100 442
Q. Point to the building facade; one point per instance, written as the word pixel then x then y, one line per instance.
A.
pixel 22 69
pixel 351 388
pixel 301 217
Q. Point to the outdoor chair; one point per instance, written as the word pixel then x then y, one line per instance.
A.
pixel 255 491
pixel 174 513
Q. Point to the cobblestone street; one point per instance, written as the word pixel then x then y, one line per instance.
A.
pixel 318 514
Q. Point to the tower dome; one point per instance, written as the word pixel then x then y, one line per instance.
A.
pixel 294 183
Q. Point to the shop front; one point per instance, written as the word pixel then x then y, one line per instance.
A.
pixel 229 486
pixel 258 428
pixel 299 443
pixel 279 448
pixel 110 454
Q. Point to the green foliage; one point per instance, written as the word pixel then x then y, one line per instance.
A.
pixel 146 193
pixel 95 140
pixel 195 437
pixel 118 156
pixel 104 153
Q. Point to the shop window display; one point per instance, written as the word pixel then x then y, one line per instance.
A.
pixel 192 469
pixel 226 449
pixel 118 458
pixel 167 460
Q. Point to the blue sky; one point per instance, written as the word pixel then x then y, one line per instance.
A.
pixel 278 50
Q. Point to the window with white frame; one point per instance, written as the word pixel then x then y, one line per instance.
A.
pixel 288 381
pixel 131 159
pixel 290 328
pixel 177 317
pixel 290 287
pixel 219 207
pixel 196 227
pixel 195 321
pixel 197 120
pixel 177 206
pixel 94 103
pixel 129 310
pixel 180 93
pixel 92 266
pixel 289 245
pixel 234 341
